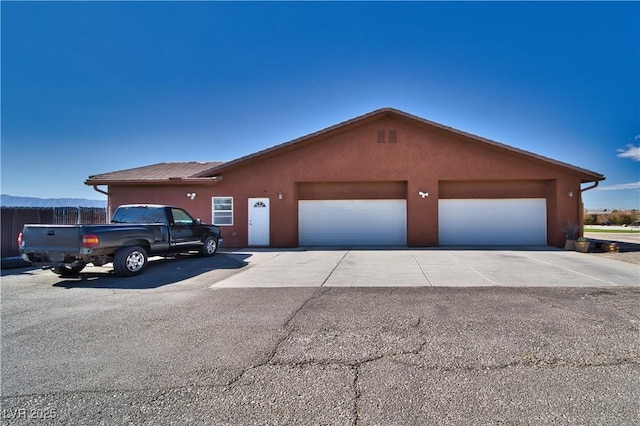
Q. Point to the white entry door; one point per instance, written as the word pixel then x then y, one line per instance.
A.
pixel 258 221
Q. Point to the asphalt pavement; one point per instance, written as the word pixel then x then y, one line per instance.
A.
pixel 176 346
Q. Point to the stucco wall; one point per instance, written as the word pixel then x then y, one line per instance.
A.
pixel 352 163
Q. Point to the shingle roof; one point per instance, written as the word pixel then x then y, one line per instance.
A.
pixel 154 172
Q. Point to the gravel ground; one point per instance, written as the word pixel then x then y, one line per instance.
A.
pixel 630 256
pixel 629 252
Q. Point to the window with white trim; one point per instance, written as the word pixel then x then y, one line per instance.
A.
pixel 222 208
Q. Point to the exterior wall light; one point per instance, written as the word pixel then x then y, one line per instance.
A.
pixel 423 194
pixel 570 193
pixel 280 196
pixel 191 195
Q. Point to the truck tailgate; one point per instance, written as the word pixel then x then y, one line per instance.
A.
pixel 51 238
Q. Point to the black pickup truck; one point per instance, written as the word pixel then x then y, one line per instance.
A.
pixel 135 232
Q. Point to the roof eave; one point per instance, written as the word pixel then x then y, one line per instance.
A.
pixel 171 181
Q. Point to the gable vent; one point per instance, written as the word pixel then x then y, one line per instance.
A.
pixel 387 136
pixel 392 136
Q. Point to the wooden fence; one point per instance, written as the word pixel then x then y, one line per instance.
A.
pixel 14 218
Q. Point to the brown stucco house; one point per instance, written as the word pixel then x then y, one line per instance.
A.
pixel 384 178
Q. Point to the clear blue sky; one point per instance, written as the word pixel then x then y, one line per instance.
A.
pixel 94 87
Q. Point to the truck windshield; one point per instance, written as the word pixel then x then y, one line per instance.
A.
pixel 139 215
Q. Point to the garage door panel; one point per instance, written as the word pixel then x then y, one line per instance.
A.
pixel 352 222
pixel 492 222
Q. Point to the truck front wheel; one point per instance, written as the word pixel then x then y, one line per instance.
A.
pixel 129 261
pixel 209 247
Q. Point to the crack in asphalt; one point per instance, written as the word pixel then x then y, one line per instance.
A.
pixel 288 329
pixel 355 366
pixel 356 395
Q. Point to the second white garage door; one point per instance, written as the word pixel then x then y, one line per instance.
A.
pixel 352 222
pixel 517 221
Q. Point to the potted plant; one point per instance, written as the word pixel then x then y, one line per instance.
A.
pixel 571 230
pixel 582 245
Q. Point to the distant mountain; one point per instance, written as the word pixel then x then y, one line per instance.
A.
pixel 12 201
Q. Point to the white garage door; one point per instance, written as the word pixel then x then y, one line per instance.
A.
pixel 520 221
pixel 352 222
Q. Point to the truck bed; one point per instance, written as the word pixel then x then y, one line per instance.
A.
pixel 52 243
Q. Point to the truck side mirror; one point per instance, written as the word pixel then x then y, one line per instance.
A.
pixel 197 222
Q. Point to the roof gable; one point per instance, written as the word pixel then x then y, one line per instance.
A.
pixel 586 175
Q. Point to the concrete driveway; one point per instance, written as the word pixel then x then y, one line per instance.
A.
pixel 441 267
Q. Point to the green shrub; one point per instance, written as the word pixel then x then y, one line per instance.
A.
pixel 615 217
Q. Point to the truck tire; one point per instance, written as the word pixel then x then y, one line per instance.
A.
pixel 209 247
pixel 68 272
pixel 129 261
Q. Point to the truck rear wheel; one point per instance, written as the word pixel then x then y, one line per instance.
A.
pixel 129 261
